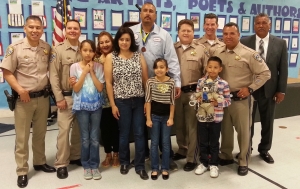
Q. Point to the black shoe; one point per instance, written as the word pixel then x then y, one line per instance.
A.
pixel 242 170
pixel 62 172
pixel 189 166
pixel 223 162
pixel 154 177
pixel 22 181
pixel 267 157
pixel 46 168
pixel 177 156
pixel 143 174
pixel 124 169
pixel 76 162
pixel 132 163
pixel 165 177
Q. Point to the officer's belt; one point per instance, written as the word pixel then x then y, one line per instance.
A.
pixel 36 94
pixel 234 97
pixel 67 93
pixel 189 88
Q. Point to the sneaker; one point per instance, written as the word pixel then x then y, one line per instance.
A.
pixel 200 169
pixel 214 171
pixel 87 174
pixel 96 174
pixel 173 165
pixel 147 158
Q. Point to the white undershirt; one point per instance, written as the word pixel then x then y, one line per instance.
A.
pixel 74 47
pixel 211 42
pixel 185 46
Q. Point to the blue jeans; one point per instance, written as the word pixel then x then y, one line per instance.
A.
pixel 132 114
pixel 160 129
pixel 209 134
pixel 89 124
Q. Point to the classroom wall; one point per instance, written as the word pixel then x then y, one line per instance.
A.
pixel 284 15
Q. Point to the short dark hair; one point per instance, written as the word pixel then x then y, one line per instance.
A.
pixel 123 30
pixel 92 43
pixel 211 15
pixel 73 20
pixel 216 59
pixel 230 24
pixel 186 21
pixel 160 60
pixel 103 33
pixel 34 17
pixel 262 15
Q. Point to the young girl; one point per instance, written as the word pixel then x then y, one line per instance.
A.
pixel 88 106
pixel 160 101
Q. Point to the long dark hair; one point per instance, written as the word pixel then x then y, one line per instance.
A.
pixel 123 30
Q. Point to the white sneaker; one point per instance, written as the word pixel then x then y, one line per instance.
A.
pixel 214 171
pixel 87 174
pixel 200 169
pixel 96 174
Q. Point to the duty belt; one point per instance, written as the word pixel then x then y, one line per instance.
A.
pixel 67 93
pixel 189 88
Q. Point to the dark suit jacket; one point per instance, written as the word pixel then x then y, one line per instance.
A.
pixel 276 61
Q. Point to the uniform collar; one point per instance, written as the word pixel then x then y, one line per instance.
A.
pixel 179 44
pixel 69 46
pixel 235 50
pixel 28 46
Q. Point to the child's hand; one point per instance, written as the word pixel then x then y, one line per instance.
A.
pixel 72 81
pixel 86 69
pixel 170 122
pixel 149 123
pixel 91 63
pixel 214 102
pixel 199 99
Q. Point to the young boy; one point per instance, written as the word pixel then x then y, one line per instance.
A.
pixel 209 125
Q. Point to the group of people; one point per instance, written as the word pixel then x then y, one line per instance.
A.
pixel 142 79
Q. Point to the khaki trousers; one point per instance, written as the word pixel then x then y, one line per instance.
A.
pixel 237 115
pixel 185 123
pixel 67 151
pixel 35 111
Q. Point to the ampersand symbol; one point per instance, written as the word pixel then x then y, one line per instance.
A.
pixel 241 9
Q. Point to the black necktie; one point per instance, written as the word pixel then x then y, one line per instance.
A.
pixel 261 49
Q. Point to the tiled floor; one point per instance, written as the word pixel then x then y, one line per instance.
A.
pixel 282 174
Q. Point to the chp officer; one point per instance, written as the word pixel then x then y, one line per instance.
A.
pixel 192 58
pixel 245 71
pixel 62 57
pixel 25 68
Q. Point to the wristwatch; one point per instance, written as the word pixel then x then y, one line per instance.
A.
pixel 250 90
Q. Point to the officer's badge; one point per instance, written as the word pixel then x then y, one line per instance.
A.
pixel 193 53
pixel 9 51
pixel 257 57
pixel 237 58
pixel 206 52
pixel 26 57
pixel 52 57
pixel 46 52
pixel 163 88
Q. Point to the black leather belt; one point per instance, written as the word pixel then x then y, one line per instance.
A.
pixel 234 97
pixel 189 88
pixel 36 94
pixel 206 101
pixel 67 93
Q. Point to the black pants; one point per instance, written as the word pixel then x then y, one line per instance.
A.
pixel 109 131
pixel 209 134
pixel 147 150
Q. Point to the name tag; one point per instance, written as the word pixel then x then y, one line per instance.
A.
pixel 136 36
pixel 156 39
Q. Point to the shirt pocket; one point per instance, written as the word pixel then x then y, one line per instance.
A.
pixel 237 67
pixel 193 63
pixel 156 48
pixel 27 65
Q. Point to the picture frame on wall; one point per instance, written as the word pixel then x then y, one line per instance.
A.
pixel 1 46
pixel 245 24
pixel 295 43
pixel 195 17
pixel 277 25
pixel 117 19
pixel 287 25
pixel 287 40
pixel 83 37
pixel 98 19
pixel 293 59
pixel 295 26
pixel 133 16
pixel 15 18
pixel 180 16
pixel 80 15
pixel 37 8
pixel 2 80
pixel 234 19
pixel 166 20
pixel 221 22
pixel 15 36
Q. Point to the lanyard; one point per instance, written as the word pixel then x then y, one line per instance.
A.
pixel 145 38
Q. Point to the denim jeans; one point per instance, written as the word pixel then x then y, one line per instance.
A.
pixel 132 114
pixel 89 124
pixel 160 129
pixel 209 134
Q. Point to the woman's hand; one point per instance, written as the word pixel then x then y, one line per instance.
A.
pixel 149 123
pixel 170 122
pixel 115 112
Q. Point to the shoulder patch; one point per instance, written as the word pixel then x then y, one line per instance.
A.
pixel 52 57
pixel 9 51
pixel 257 57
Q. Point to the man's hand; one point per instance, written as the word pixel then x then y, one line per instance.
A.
pixel 177 92
pixel 278 97
pixel 24 95
pixel 62 105
pixel 243 92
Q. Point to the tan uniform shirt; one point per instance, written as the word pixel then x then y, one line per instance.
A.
pixel 62 57
pixel 192 62
pixel 28 64
pixel 243 68
pixel 212 48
